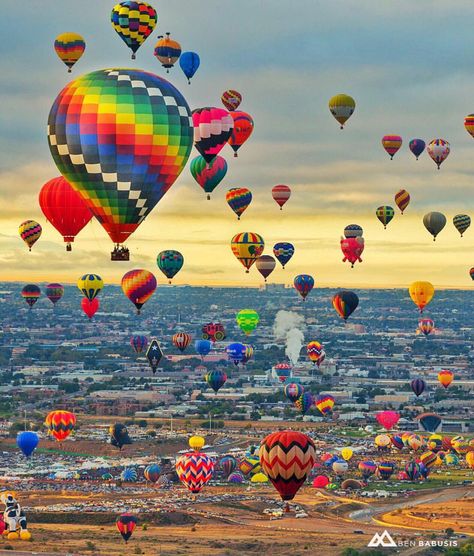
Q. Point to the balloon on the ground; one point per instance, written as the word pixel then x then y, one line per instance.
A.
pixel 60 424
pixel 194 470
pixel 152 473
pixel 127 522
pixel 27 442
pixel 119 435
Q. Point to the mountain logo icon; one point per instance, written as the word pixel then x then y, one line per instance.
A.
pixel 384 540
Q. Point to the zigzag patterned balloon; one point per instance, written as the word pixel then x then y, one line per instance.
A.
pixel 194 470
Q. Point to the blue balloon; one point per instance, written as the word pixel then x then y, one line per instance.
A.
pixel 189 63
pixel 283 251
pixel 236 352
pixel 27 442
pixel 129 475
pixel 203 347
pixel 417 146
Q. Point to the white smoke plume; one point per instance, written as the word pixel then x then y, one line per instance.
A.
pixel 286 327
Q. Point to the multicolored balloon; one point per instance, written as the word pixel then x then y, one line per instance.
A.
pixel 60 424
pixel 471 273
pixel 325 403
pixel 54 292
pixel 282 371
pixel 194 470
pixel 121 175
pixel 235 352
pixel 342 107
pixel 138 343
pixel 90 285
pixel 212 129
pixel 69 47
pixel 265 265
pixel 315 351
pixel 247 320
pixel 133 22
pixel 167 51
pixel 367 468
pixel 345 303
pixel 170 262
pixel 402 199
pixel 31 293
pixel 247 247
pixel 30 232
pixel 439 150
pixel 283 252
pixel 421 293
pixel 426 326
pixel 434 222
pixel 208 174
pixel 189 62
pixel 231 99
pixel 127 522
pixel 461 222
pixel 417 146
pixel 242 130
pixel 293 391
pixel 303 283
pixel 418 386
pixel 304 403
pixel 216 379
pixel 238 199
pixel 352 249
pixel 353 231
pixel 469 124
pixel 445 378
pixel 392 143
pixel 181 340
pixel 152 473
pixel 281 194
pixel 90 307
pixel 385 214
pixel 138 285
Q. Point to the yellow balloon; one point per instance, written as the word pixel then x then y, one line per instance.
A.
pixel 196 442
pixel 247 247
pixel 259 478
pixel 25 535
pixel 90 285
pixel 247 320
pixel 470 459
pixel 382 441
pixel 421 294
pixel 342 107
pixel 346 453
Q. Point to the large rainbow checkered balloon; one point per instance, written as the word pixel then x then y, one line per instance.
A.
pixel 120 137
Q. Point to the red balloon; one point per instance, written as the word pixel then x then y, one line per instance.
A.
pixel 388 419
pixel 64 208
pixel 320 481
pixel 352 248
pixel 90 307
pixel 281 194
pixel 242 130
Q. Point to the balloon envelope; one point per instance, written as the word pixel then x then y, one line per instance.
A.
pixel 27 442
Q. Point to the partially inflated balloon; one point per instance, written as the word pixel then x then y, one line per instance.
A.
pixel 247 247
pixel 238 199
pixel 138 285
pixel 352 249
pixel 281 194
pixel 461 222
pixel 417 146
pixel 303 283
pixel 212 129
pixel 170 262
pixel 30 232
pixel 123 150
pixel 265 265
pixel 247 320
pixel 216 379
pixel 426 326
pixel 385 214
pixel 392 143
pixel 438 149
pixel 64 208
pixel 283 252
pixel 342 107
pixel 418 386
pixel 189 62
pixel 90 285
pixel 138 343
pixel 345 303
pixel 242 130
pixel 421 293
pixel 167 51
pixel 402 199
pixel 208 175
pixel 434 222
pixel 181 340
pixel 54 292
pixel 31 293
pixel 90 307
pixel 69 47
pixel 133 22
pixel 231 99
pixel 445 378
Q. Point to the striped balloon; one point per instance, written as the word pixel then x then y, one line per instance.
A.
pixel 293 391
pixel 342 107
pixel 265 265
pixel 287 458
pixel 231 99
pixel 90 285
pixel 304 403
pixel 461 222
pixel 392 143
pixel 69 47
pixel 402 199
pixel 345 303
pixel 247 247
pixel 281 194
pixel 30 232
pixel 181 340
pixel 469 124
pixel 385 214
pixel 194 470
pixel 208 175
pixel 167 51
pixel 238 199
pixel 31 293
pixel 54 292
pixel 426 326
pixel 324 403
pixel 129 475
pixel 60 424
pixel 152 473
pixel 138 343
pixel 212 128
pixel 283 252
pixel 138 285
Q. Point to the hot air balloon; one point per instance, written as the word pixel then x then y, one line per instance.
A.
pixel 347 453
pixel 428 459
pixel 154 355
pixel 170 262
pixel 30 232
pixel 385 469
pixel 69 47
pixel 231 99
pixel 281 194
pixel 345 303
pixel 31 293
pixel 126 523
pixel 133 22
pixel 325 403
pixel 382 441
pixel 352 248
pixel 129 475
pixel 242 130
pixel 438 149
pixel 189 62
pixel 27 442
pixel 287 458
pixel 208 175
pixel 238 199
pixel 367 469
pixel 470 459
pixel 247 320
pixel 90 285
pixel 247 247
pixel 283 252
pixel 421 293
pixel 235 352
pixel 248 353
pixel 353 231
pixel 426 326
pixel 445 378
pixel 181 340
pixel 340 466
pixel 429 422
pixel 417 146
pixel 314 351
pixel 418 386
pixel 194 470
pixel 402 199
pixel 167 51
pixel 60 424
pixel 320 481
pixel 216 379
pixel 434 222
pixel 212 129
pixel 265 265
pixel 388 419
pixel 342 107
pixel 412 469
pixel 385 214
pixel 120 166
pixel 304 403
pixel 196 442
pixel 138 285
pixel 119 435
pixel 282 371
pixel 236 477
pixel 293 391
pixel 138 343
pixel 203 347
pixel 213 331
pixel 90 307
pixel 54 292
pixel 303 283
pixel 469 124
pixel 415 442
pixel 471 273
pixel 228 464
pixel 152 473
pixel 461 222
pixel 392 143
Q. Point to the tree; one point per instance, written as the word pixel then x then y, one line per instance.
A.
pixel 449 532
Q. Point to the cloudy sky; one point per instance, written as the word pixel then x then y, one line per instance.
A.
pixel 408 65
